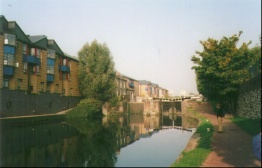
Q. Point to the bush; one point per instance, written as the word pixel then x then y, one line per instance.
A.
pixel 114 101
pixel 86 108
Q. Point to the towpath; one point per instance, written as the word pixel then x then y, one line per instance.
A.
pixel 232 148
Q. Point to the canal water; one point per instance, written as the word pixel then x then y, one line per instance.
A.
pixel 129 141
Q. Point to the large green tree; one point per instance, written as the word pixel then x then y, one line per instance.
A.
pixel 96 72
pixel 221 68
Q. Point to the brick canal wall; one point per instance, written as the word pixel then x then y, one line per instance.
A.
pixel 19 103
pixel 249 100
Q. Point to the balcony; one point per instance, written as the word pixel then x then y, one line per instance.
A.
pixel 64 68
pixel 8 70
pixel 50 78
pixel 131 85
pixel 31 59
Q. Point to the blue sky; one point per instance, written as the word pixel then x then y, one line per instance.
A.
pixel 150 40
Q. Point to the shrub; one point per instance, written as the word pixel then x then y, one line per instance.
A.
pixel 86 108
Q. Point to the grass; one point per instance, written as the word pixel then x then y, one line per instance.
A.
pixel 196 157
pixel 250 126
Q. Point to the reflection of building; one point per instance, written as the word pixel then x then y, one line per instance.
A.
pixel 38 145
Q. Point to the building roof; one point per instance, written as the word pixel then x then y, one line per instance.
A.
pixel 129 78
pixel 39 41
pixel 13 28
pixel 71 57
pixel 154 84
pixel 36 38
pixel 144 82
pixel 51 44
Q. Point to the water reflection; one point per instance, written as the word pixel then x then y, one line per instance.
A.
pixel 88 142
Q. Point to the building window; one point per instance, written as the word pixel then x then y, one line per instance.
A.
pixel 11 25
pixel 25 66
pixel 64 62
pixel 9 59
pixel 38 53
pixel 50 66
pixel 9 55
pixel 51 53
pixel 19 81
pixel 50 69
pixel 10 39
pixel 35 52
pixel 71 91
pixel 37 69
pixel 25 51
pixel 6 83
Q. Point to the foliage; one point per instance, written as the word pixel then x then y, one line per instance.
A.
pixel 86 108
pixel 222 68
pixel 255 64
pixel 95 140
pixel 196 157
pixel 114 101
pixel 96 72
pixel 250 126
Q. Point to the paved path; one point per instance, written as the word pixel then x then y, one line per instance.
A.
pixel 232 148
pixel 40 115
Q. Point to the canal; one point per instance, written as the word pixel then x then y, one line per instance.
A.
pixel 133 140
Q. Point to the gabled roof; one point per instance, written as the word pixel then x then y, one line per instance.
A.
pixel 13 28
pixel 51 44
pixel 3 24
pixel 36 38
pixel 39 41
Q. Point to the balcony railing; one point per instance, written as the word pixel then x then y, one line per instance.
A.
pixel 8 70
pixel 131 85
pixel 50 78
pixel 64 68
pixel 31 59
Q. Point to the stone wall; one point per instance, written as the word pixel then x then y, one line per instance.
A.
pixel 136 107
pixel 249 100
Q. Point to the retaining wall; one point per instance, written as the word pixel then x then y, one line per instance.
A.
pixel 19 103
pixel 249 100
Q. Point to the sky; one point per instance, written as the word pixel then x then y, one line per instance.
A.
pixel 150 40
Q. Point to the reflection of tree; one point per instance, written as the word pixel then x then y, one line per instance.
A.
pixel 96 146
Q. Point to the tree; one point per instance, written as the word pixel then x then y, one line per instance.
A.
pixel 96 72
pixel 221 68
